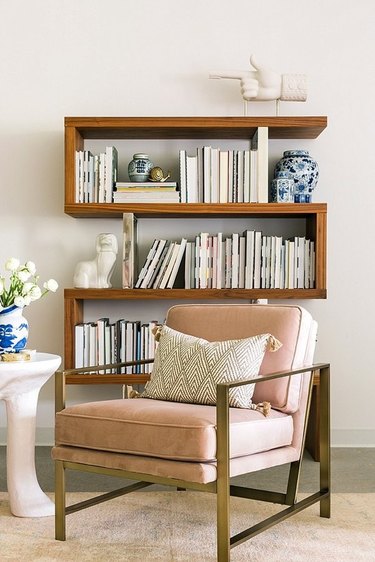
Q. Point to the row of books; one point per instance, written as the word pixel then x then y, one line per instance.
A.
pixel 146 192
pixel 103 342
pixel 239 261
pixel 216 175
pixel 95 175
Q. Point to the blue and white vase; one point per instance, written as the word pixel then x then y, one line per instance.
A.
pixel 304 171
pixel 14 329
pixel 139 168
pixel 282 188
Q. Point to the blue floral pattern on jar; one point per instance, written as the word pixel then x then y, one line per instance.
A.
pixel 304 171
pixel 139 168
pixel 14 330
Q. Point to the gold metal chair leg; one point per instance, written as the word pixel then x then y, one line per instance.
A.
pixel 59 501
pixel 325 441
pixel 223 480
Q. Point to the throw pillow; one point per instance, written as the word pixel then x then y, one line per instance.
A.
pixel 187 369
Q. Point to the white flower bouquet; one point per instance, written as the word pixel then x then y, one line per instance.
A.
pixel 22 287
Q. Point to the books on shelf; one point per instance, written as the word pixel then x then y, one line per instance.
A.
pixel 103 342
pixel 248 260
pixel 219 175
pixel 210 175
pixel 95 175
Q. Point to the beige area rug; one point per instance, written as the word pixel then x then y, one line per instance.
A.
pixel 179 527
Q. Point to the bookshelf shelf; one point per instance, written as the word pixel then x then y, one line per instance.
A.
pixel 80 129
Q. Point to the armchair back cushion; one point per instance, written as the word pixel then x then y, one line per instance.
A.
pixel 291 325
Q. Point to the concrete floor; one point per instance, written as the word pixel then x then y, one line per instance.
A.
pixel 353 470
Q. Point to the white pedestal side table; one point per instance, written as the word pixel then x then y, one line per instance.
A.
pixel 20 383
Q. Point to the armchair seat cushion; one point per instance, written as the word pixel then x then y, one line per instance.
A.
pixel 168 430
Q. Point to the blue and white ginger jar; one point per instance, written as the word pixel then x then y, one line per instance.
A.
pixel 304 171
pixel 282 188
pixel 139 168
pixel 14 329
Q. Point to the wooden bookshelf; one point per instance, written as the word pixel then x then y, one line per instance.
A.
pixel 80 129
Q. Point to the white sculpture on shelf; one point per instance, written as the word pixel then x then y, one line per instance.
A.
pixel 263 84
pixel 97 272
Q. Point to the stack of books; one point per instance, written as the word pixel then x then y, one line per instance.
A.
pixel 96 175
pixel 103 342
pixel 147 192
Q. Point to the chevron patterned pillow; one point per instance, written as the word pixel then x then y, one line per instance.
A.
pixel 187 369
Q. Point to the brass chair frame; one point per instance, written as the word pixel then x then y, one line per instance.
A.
pixel 222 486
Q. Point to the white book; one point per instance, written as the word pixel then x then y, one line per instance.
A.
pixel 163 265
pixel 177 263
pixel 86 344
pixel 215 175
pixel 157 266
pixel 253 176
pixel 239 190
pixel 282 267
pixel 228 262
pixel 146 263
pixel 102 177
pixel 92 344
pixel 197 261
pixel 86 156
pixel 300 261
pixel 111 156
pixel 277 261
pixel 230 176
pixel 242 261
pixel 291 265
pixel 206 174
pixel 168 271
pixel 214 262
pixel 192 179
pixel 79 342
pixel 249 259
pixel 219 261
pixel 203 260
pixel 235 261
pixel 79 176
pixel 223 176
pixel 96 179
pixel 246 176
pixel 155 261
pixel 188 260
pixel 183 175
pixel 257 259
pixel 260 142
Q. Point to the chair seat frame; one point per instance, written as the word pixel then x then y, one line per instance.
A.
pixel 222 486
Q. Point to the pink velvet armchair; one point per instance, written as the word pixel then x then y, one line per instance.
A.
pixel 201 446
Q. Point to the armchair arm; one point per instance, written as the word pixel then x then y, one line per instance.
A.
pixel 60 376
pixel 276 375
pixel 222 419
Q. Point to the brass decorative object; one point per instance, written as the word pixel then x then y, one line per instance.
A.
pixel 157 174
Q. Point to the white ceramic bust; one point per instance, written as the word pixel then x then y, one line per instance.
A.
pixel 263 84
pixel 97 272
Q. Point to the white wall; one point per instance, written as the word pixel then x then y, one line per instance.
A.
pixel 119 58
